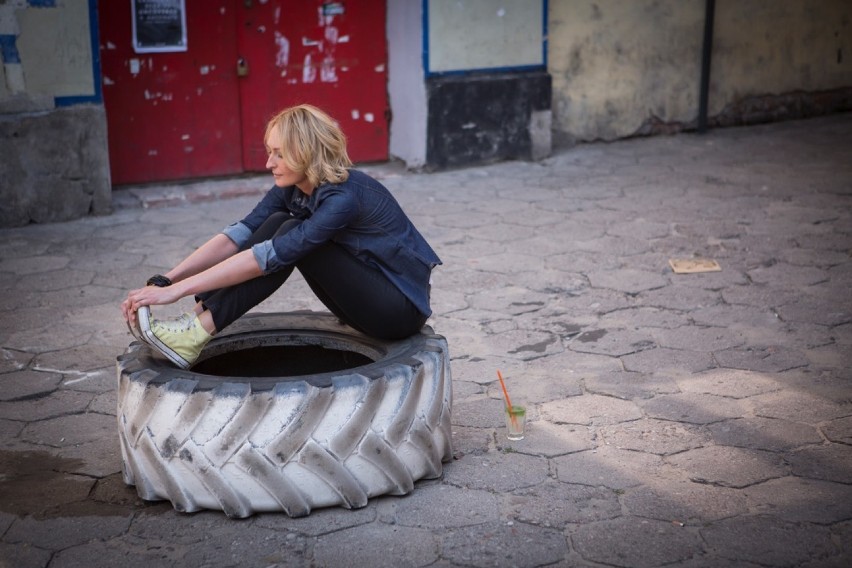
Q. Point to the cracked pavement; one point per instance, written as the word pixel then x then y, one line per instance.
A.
pixel 690 420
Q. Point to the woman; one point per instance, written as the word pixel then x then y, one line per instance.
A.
pixel 343 230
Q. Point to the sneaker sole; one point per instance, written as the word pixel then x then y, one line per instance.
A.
pixel 143 321
pixel 173 356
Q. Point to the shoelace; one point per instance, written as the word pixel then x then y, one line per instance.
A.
pixel 178 325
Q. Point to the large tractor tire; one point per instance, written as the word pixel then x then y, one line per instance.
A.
pixel 309 413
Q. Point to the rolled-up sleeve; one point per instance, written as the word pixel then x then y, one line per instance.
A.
pixel 264 254
pixel 238 232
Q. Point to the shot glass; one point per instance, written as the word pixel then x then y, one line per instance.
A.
pixel 516 419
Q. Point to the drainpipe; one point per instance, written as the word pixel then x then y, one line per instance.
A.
pixel 709 11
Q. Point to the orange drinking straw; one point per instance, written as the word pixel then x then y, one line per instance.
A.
pixel 512 417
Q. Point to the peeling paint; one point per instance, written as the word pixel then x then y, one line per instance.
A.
pixel 309 72
pixel 355 114
pixel 282 58
pixel 328 70
pixel 368 117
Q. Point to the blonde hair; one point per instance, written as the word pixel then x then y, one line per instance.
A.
pixel 312 144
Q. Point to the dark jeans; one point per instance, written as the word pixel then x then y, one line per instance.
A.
pixel 358 294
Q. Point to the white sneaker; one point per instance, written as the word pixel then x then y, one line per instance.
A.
pixel 180 339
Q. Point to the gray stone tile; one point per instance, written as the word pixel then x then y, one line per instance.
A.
pixel 482 413
pixel 19 385
pixel 427 508
pixel 661 437
pixel 798 406
pixel 665 360
pixel 768 359
pixel 829 462
pixel 631 542
pixel 609 467
pixel 549 440
pixel 795 276
pixel 692 408
pixel 59 403
pixel 729 467
pixel 615 342
pixel 643 318
pixel 733 383
pixel 774 435
pixel 629 281
pixel 684 502
pixel 681 298
pixel 11 360
pixel 816 310
pixel 524 344
pixel 70 430
pixel 590 409
pixel 801 500
pixel 556 504
pixel 694 338
pixel 24 555
pixel 60 533
pixel 629 386
pixel 503 544
pixel 497 471
pixel 839 430
pixel 767 540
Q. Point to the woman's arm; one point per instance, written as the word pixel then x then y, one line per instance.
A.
pixel 209 254
pixel 233 270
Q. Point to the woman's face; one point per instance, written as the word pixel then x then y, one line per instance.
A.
pixel 284 176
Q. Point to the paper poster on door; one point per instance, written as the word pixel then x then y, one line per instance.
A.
pixel 159 26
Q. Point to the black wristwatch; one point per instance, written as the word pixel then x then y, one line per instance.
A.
pixel 158 280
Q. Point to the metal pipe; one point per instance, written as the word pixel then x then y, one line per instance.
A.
pixel 709 12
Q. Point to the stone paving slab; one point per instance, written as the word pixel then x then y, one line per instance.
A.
pixel 696 421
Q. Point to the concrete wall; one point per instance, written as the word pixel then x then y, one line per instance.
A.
pixel 624 68
pixel 406 88
pixel 467 81
pixel 52 123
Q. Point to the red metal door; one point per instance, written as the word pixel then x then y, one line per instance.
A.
pixel 197 113
pixel 329 54
pixel 172 115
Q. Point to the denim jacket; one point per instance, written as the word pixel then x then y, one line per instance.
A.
pixel 360 215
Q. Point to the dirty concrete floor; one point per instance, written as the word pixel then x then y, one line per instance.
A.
pixel 690 420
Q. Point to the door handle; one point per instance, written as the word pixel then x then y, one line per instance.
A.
pixel 242 67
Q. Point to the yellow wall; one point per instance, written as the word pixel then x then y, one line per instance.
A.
pixel 54 44
pixel 485 34
pixel 617 64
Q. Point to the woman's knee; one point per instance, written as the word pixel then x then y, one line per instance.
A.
pixel 287 225
pixel 276 224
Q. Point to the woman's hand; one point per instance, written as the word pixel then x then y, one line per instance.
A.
pixel 147 296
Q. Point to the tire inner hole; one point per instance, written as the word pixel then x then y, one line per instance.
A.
pixel 280 361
